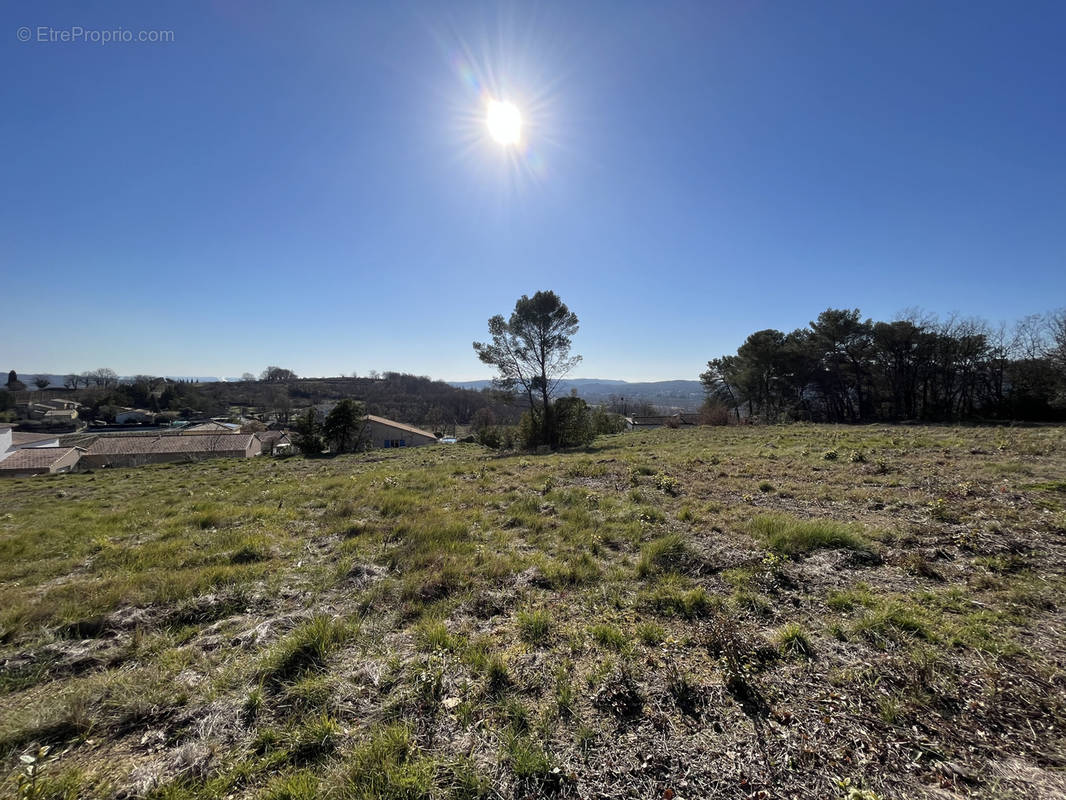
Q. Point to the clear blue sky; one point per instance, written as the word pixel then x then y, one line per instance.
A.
pixel 311 184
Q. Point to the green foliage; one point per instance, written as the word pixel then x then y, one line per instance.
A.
pixel 651 634
pixel 669 597
pixel 573 422
pixel 790 536
pixel 667 485
pixel 793 640
pixel 669 553
pixel 531 351
pixel 307 433
pixel 306 648
pixel 387 766
pixel 303 785
pixel 343 428
pixel 609 636
pixel 534 627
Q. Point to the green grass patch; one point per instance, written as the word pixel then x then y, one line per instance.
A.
pixel 792 537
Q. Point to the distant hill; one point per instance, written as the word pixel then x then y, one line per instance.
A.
pixel 673 395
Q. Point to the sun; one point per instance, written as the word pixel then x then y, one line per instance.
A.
pixel 504 122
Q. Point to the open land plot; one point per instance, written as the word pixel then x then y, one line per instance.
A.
pixel 763 612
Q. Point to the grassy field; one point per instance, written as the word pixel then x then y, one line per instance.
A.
pixel 778 612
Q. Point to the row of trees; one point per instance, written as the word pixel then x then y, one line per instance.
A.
pixel 843 368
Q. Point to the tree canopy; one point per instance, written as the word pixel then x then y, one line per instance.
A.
pixel 531 354
pixel 843 368
pixel 277 375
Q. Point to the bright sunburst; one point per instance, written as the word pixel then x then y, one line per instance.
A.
pixel 504 122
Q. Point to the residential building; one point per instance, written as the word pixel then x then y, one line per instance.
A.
pixel 133 451
pixel 383 432
pixel 21 439
pixel 212 426
pixel 137 415
pixel 38 461
pixel 274 443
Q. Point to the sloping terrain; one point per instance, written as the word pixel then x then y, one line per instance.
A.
pixel 779 612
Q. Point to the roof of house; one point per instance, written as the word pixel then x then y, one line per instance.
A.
pixel 22 439
pixel 399 425
pixel 34 458
pixel 60 412
pixel 271 436
pixel 134 445
pixel 221 427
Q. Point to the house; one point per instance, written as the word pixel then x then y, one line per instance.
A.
pixel 60 416
pixel 6 439
pixel 682 419
pixel 134 451
pixel 274 443
pixel 383 432
pixel 211 426
pixel 128 415
pixel 38 461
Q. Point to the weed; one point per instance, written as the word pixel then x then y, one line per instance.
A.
pixel 667 485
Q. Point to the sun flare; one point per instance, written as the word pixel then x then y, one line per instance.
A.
pixel 504 122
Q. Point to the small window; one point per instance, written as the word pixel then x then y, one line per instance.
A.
pixel 386 443
pixel 403 443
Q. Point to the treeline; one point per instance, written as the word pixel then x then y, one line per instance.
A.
pixel 843 368
pixel 414 399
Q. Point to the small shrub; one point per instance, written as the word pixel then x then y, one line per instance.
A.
pixel 942 512
pixel 667 485
pixel 766 487
pixel 686 693
pixel 830 455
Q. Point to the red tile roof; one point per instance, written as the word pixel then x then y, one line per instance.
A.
pixel 34 458
pixel 22 438
pixel 201 443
